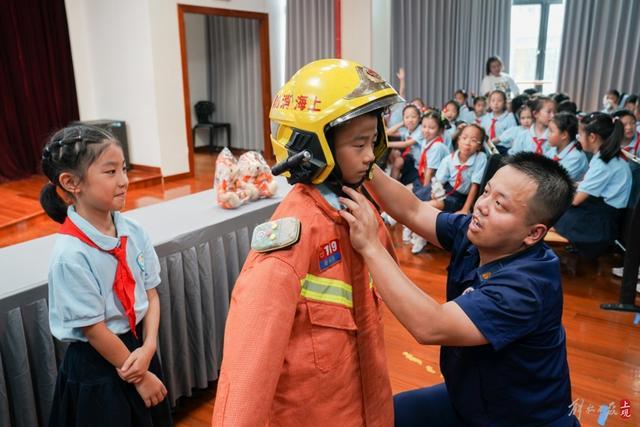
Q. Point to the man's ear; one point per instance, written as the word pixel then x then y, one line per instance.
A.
pixel 69 182
pixel 536 233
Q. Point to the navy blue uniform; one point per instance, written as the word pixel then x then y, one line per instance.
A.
pixel 521 378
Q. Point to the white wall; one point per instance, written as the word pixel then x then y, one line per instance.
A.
pixel 356 21
pixel 126 57
pixel 381 38
pixel 114 71
pixel 195 34
pixel 366 34
pixel 277 10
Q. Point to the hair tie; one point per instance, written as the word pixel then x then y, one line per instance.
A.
pixel 615 119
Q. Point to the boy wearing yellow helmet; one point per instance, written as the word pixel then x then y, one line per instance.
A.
pixel 304 339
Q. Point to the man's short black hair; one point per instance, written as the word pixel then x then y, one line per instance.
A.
pixel 555 188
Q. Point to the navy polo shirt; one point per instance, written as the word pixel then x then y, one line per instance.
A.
pixel 521 378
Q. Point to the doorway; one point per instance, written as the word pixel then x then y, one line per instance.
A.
pixel 225 60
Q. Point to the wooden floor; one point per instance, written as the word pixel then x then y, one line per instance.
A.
pixel 603 347
pixel 22 217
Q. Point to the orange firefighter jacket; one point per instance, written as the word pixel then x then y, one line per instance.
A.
pixel 303 341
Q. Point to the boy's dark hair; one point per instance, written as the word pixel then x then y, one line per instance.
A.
pixel 566 122
pixel 531 91
pixel 568 107
pixel 72 149
pixel 560 97
pixel 518 102
pixel 555 189
pixel 610 129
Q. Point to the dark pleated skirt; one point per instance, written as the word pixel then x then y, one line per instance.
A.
pixel 409 172
pixel 452 203
pixel 591 227
pixel 89 392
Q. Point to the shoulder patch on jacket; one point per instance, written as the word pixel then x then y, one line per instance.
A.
pixel 273 235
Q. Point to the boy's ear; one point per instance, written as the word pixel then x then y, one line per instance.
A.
pixel 69 182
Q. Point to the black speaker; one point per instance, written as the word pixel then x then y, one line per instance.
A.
pixel 117 128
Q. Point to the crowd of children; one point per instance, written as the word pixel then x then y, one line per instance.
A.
pixel 449 151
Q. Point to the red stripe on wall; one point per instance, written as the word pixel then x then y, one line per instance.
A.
pixel 338 30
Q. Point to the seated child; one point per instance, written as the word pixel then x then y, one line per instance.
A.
pixel 460 174
pixel 408 148
pixel 542 110
pixel 591 223
pixel 498 120
pixel 631 138
pixel 479 110
pixel 451 112
pixel 507 137
pixel 563 129
pixel 434 151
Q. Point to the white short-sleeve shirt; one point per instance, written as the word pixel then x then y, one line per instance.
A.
pixel 81 278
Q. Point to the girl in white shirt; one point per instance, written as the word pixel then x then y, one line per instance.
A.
pixel 495 79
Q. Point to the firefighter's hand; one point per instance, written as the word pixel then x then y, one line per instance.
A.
pixel 363 224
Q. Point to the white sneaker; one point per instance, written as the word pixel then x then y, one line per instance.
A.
pixel 619 271
pixel 406 235
pixel 418 245
pixel 388 219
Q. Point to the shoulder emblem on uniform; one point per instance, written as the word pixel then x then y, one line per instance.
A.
pixel 277 234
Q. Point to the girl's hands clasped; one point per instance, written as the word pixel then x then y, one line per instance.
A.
pixel 136 365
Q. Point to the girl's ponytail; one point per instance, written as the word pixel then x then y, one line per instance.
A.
pixel 609 129
pixel 611 146
pixel 52 203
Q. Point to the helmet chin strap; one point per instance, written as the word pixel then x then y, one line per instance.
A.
pixel 335 181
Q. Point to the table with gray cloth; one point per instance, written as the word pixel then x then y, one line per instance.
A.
pixel 201 248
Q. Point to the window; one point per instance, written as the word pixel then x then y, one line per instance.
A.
pixel 536 37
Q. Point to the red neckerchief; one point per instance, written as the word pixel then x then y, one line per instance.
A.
pixel 539 143
pixel 557 159
pixel 460 168
pixel 422 165
pixel 124 283
pixel 633 150
pixel 492 129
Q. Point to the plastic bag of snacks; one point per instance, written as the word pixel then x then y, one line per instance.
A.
pixel 225 183
pixel 255 176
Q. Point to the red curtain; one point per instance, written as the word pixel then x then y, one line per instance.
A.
pixel 37 87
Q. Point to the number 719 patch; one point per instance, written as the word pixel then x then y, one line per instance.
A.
pixel 330 254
